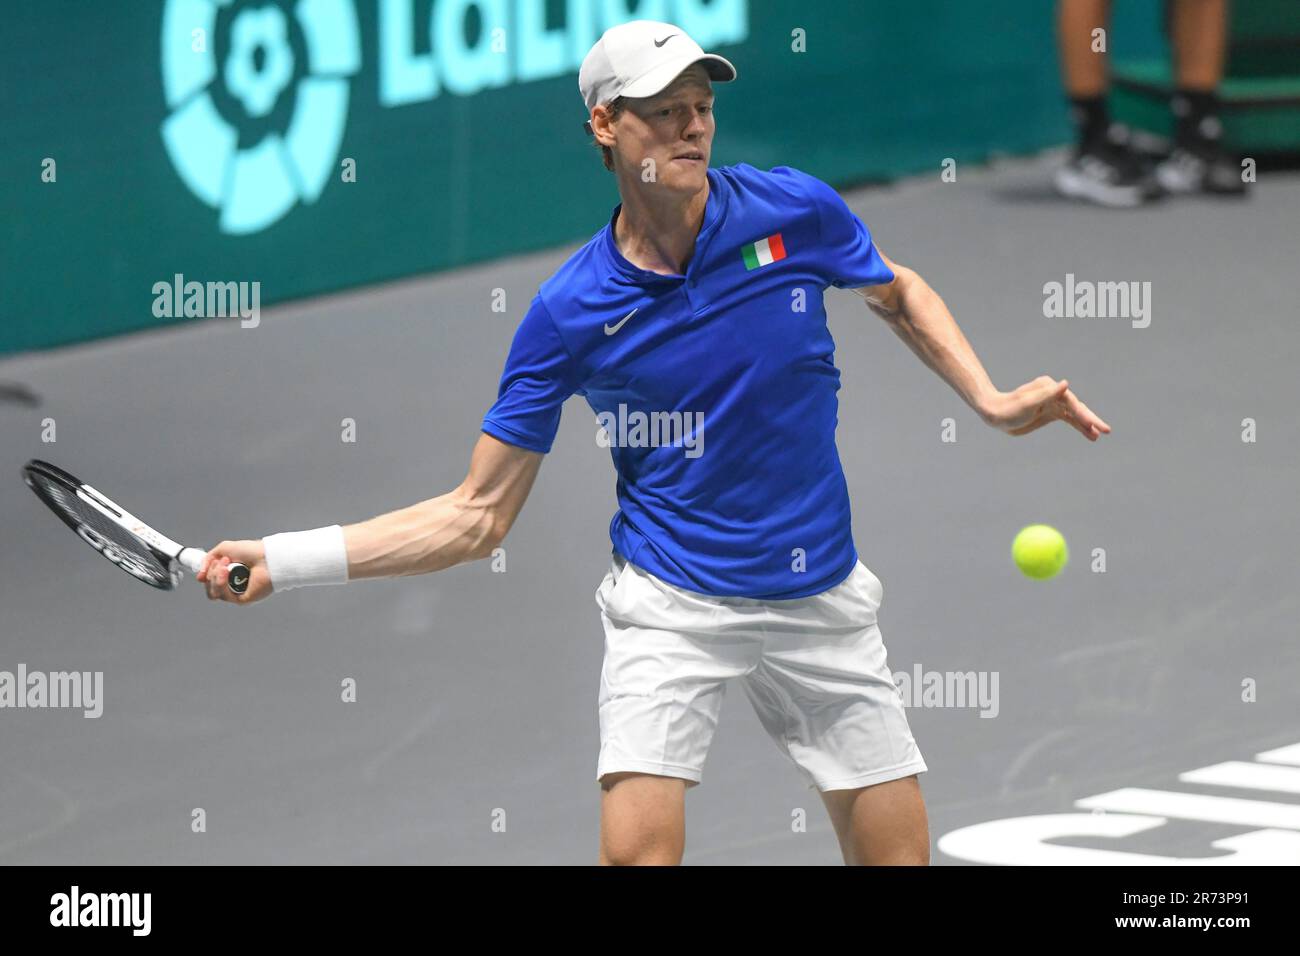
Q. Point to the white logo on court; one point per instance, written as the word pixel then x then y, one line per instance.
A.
pixel 1273 841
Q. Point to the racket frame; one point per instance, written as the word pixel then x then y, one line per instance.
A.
pixel 168 552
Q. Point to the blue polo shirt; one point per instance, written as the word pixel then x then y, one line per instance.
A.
pixel 715 390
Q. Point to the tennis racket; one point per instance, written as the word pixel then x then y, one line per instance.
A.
pixel 117 534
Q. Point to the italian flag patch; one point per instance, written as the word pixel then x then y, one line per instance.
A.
pixel 764 252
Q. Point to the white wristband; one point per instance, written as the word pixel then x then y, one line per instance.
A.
pixel 297 559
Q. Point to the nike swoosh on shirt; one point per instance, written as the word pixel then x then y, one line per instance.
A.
pixel 665 39
pixel 611 329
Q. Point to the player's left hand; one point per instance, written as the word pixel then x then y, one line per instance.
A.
pixel 216 571
pixel 1036 403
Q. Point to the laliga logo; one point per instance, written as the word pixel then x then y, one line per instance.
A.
pixel 257 100
pixel 257 91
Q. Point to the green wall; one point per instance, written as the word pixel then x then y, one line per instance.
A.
pixel 464 122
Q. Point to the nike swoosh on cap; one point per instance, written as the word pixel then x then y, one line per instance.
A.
pixel 665 39
pixel 611 329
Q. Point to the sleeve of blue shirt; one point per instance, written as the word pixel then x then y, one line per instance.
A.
pixel 848 255
pixel 538 377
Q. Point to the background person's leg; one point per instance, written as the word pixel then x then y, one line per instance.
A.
pixel 1198 34
pixel 1101 169
pixel 642 819
pixel 1083 71
pixel 881 825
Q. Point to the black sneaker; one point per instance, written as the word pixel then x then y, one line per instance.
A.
pixel 1143 149
pixel 1201 166
pixel 1107 173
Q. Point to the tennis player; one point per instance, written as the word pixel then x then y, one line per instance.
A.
pixel 696 314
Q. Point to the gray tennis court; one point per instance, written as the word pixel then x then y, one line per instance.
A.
pixel 473 737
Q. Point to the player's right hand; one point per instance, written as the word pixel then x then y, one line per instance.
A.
pixel 215 572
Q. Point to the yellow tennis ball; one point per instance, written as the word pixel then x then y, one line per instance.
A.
pixel 1039 551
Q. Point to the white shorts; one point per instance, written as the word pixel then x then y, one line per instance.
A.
pixel 813 668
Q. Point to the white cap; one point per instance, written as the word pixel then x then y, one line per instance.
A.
pixel 640 58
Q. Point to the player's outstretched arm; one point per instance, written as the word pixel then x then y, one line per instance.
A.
pixel 463 525
pixel 921 319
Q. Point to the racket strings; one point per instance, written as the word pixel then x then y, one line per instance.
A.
pixel 110 539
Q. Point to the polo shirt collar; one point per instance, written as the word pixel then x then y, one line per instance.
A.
pixel 714 208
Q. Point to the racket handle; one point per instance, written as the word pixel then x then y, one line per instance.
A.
pixel 239 576
pixel 192 558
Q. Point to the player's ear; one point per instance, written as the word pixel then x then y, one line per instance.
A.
pixel 601 120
